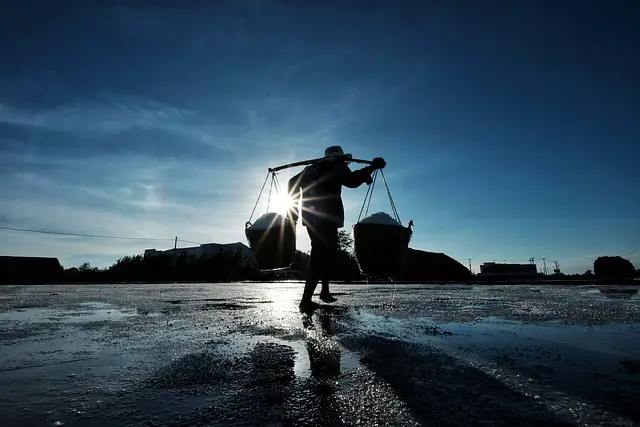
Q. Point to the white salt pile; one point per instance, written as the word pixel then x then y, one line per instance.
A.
pixel 380 218
pixel 267 221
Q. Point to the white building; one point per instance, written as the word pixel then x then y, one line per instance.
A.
pixel 207 249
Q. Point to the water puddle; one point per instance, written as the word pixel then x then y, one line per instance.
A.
pixel 88 312
pixel 539 360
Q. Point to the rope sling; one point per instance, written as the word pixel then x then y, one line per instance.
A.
pixel 367 198
pixel 369 195
pixel 274 183
pixel 367 203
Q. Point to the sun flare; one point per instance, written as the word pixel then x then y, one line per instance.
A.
pixel 282 202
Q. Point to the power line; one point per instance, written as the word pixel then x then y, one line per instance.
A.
pixel 97 236
pixel 631 253
pixel 189 241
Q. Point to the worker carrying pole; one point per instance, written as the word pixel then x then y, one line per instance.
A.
pixel 316 192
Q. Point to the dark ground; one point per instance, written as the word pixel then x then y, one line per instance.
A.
pixel 241 354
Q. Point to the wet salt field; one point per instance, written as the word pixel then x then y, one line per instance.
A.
pixel 242 354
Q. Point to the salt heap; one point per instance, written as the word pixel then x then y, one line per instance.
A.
pixel 380 218
pixel 267 221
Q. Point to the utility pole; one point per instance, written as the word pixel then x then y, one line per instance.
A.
pixel 544 263
pixel 175 250
pixel 175 254
pixel 470 269
pixel 556 270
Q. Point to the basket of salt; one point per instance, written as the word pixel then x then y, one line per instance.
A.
pixel 272 239
pixel 381 245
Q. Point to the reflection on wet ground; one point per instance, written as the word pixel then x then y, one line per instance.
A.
pixel 240 354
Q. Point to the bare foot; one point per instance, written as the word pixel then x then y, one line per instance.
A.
pixel 327 297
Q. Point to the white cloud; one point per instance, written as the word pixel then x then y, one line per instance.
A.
pixel 119 114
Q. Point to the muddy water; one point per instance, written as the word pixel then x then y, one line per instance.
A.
pixel 238 354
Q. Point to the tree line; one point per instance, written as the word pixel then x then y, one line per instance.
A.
pixel 233 266
pixel 226 266
pixel 223 266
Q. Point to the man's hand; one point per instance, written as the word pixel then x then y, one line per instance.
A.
pixel 378 163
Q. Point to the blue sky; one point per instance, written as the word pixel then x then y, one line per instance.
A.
pixel 510 128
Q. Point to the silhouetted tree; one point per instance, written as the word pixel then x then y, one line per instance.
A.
pixel 346 265
pixel 345 242
pixel 301 264
pixel 613 267
pixel 87 267
pixel 158 268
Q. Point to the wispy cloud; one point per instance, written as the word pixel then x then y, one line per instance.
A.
pixel 92 116
pixel 113 118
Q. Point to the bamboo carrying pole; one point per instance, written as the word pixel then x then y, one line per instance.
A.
pixel 312 161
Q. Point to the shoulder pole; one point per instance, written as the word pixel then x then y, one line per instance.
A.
pixel 312 161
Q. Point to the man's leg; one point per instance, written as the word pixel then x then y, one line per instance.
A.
pixel 313 276
pixel 316 263
pixel 325 284
pixel 325 295
pixel 331 238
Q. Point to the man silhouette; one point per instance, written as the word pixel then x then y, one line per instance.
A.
pixel 318 189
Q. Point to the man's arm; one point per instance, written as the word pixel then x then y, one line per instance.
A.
pixel 354 179
pixel 357 178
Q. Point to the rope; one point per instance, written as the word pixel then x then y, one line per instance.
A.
pixel 393 205
pixel 260 194
pixel 393 298
pixel 274 184
pixel 270 188
pixel 369 190
pixel 369 196
pixel 375 177
pixel 277 183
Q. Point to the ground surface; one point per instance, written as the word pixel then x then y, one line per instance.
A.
pixel 238 354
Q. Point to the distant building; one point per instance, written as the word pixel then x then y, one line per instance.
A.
pixel 207 249
pixel 433 266
pixel 29 270
pixel 508 270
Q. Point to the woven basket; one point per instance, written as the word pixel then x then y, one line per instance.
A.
pixel 274 247
pixel 381 250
